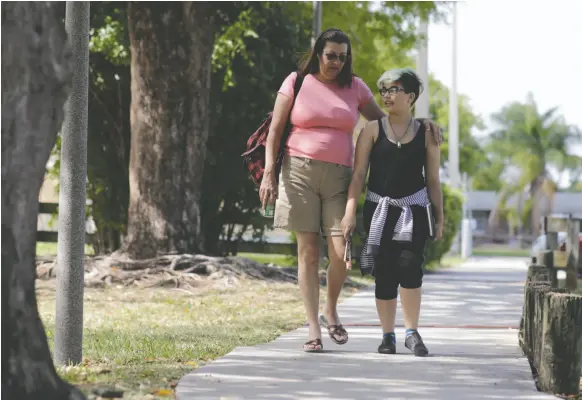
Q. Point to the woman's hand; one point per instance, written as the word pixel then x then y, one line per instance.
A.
pixel 435 131
pixel 268 189
pixel 348 225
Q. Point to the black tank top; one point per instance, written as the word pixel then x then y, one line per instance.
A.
pixel 397 172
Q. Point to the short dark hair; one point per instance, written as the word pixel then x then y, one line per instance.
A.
pixel 310 64
pixel 409 80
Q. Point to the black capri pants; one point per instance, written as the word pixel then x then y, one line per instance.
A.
pixel 398 264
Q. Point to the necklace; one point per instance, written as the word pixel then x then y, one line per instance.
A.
pixel 398 139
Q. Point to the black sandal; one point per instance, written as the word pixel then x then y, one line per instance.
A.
pixel 334 330
pixel 313 346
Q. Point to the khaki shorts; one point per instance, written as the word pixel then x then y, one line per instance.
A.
pixel 312 196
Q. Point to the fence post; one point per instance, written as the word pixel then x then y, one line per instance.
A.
pixel 573 248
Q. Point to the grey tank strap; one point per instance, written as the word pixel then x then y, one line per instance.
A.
pixel 381 131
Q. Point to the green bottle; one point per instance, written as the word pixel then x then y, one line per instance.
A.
pixel 268 211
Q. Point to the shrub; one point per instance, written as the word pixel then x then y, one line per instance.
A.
pixel 453 209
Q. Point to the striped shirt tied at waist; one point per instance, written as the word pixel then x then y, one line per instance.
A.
pixel 403 229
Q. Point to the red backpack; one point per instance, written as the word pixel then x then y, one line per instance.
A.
pixel 254 156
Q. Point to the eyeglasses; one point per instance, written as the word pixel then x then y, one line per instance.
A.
pixel 332 57
pixel 391 90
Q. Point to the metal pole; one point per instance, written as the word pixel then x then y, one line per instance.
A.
pixel 316 27
pixel 453 166
pixel 421 107
pixel 72 196
pixel 466 229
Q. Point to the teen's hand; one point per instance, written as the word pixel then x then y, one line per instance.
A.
pixel 438 230
pixel 348 265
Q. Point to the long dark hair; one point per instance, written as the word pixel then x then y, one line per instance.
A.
pixel 310 64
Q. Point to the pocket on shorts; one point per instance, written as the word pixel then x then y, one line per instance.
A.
pixel 299 177
pixel 281 218
pixel 297 162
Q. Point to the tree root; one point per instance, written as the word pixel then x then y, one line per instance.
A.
pixel 184 271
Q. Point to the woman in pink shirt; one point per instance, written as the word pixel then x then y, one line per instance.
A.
pixel 316 172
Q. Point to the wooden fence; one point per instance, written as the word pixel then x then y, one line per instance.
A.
pixel 44 235
pixel 551 325
pixel 243 246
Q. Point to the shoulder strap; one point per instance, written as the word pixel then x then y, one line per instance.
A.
pixel 296 88
pixel 287 129
pixel 381 131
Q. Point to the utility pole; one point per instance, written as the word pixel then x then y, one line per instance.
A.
pixel 466 228
pixel 72 196
pixel 453 165
pixel 316 27
pixel 421 107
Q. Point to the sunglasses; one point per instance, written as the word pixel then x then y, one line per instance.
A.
pixel 332 57
pixel 391 90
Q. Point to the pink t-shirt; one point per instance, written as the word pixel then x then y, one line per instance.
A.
pixel 324 117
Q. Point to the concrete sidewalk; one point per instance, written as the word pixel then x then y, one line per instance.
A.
pixel 469 323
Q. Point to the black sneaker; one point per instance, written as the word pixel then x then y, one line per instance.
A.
pixel 414 343
pixel 388 346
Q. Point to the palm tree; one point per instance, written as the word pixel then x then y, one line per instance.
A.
pixel 529 142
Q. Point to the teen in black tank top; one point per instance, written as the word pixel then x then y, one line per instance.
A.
pixel 396 182
pixel 398 172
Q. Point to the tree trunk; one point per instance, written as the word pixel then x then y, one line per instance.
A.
pixel 536 193
pixel 561 359
pixel 36 70
pixel 171 50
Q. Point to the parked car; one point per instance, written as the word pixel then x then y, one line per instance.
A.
pixel 539 244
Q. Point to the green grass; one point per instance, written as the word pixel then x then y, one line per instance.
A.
pixel 50 249
pixel 143 340
pixel 450 261
pixel 282 260
pixel 446 262
pixel 500 252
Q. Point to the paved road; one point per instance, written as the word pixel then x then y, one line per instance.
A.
pixel 469 322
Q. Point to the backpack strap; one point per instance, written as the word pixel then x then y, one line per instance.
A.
pixel 296 88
